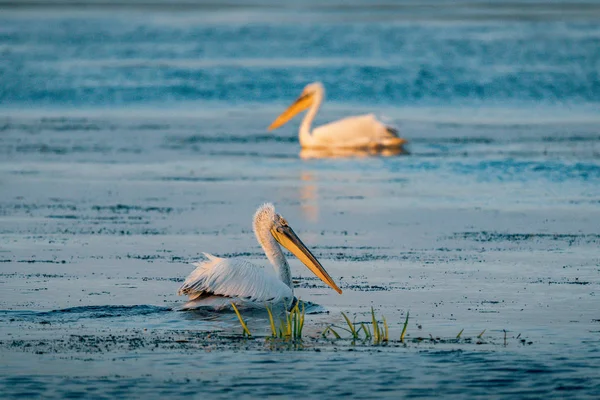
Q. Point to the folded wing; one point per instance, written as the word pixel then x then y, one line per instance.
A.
pixel 236 279
pixel 356 131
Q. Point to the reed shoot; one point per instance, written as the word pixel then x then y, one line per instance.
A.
pixel 404 327
pixel 330 329
pixel 366 330
pixel 271 322
pixel 386 332
pixel 353 330
pixel 290 326
pixel 245 332
pixel 376 332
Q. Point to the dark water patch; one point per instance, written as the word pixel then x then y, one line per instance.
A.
pixel 73 314
pixel 30 207
pixel 125 209
pixel 511 169
pixel 74 231
pixel 592 139
pixel 453 140
pixel 420 257
pixel 253 154
pixel 570 239
pixel 525 134
pixel 360 285
pixel 64 216
pixel 36 275
pixel 179 142
pixel 43 148
pixel 219 178
pixel 575 281
pixel 67 124
pixel 586 201
pixel 244 254
pixel 158 279
pixel 57 124
pixel 33 261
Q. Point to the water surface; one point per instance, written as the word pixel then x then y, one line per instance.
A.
pixel 133 138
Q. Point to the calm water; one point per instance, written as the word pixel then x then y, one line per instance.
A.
pixel 132 138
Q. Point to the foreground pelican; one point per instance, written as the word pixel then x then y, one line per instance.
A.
pixel 219 281
pixel 363 131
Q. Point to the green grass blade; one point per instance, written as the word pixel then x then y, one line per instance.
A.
pixel 351 326
pixel 366 330
pixel 460 333
pixel 385 331
pixel 288 327
pixel 375 327
pixel 246 331
pixel 301 324
pixel 334 333
pixel 481 334
pixel 281 328
pixel 404 328
pixel 272 322
pixel 294 318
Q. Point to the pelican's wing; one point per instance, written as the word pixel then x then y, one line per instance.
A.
pixel 357 131
pixel 234 278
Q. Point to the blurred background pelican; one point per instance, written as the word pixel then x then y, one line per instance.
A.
pixel 362 131
pixel 220 281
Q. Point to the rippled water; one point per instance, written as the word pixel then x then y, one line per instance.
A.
pixel 133 137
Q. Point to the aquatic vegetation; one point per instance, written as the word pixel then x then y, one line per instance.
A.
pixel 290 326
pixel 404 327
pixel 245 332
pixel 379 335
pixel 271 322
pixel 330 329
pixel 351 327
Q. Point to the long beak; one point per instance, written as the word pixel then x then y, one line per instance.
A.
pixel 301 104
pixel 288 239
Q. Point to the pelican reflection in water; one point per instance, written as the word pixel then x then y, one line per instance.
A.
pixel 363 131
pixel 220 281
pixel 313 153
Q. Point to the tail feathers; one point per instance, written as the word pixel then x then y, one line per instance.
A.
pixel 211 257
pixel 204 264
pixel 392 131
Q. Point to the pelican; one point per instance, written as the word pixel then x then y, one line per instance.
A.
pixel 363 131
pixel 219 281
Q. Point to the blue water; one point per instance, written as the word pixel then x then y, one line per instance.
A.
pixel 133 137
pixel 265 54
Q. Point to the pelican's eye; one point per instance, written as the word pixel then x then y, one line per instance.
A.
pixel 283 221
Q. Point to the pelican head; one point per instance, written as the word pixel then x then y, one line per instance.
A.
pixel 311 92
pixel 266 218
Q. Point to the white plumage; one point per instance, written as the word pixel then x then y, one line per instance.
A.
pixel 363 131
pixel 217 282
